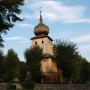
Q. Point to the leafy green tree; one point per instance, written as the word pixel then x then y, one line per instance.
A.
pixel 88 71
pixel 82 70
pixel 74 66
pixel 77 64
pixel 33 56
pixel 1 55
pixel 9 11
pixel 11 66
pixel 66 53
pixel 1 64
pixel 22 71
pixel 85 71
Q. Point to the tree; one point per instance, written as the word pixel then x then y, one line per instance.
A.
pixel 11 66
pixel 88 71
pixel 1 65
pixel 33 56
pixel 9 11
pixel 85 71
pixel 66 53
pixel 22 71
pixel 1 54
pixel 77 71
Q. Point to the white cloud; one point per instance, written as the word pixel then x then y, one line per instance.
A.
pixel 21 39
pixel 26 1
pixel 25 25
pixel 57 11
pixel 84 38
pixel 25 16
pixel 15 38
pixel 25 41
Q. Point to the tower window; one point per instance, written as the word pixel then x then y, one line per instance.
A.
pixel 42 41
pixel 35 43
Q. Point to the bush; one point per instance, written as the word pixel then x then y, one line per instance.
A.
pixel 88 82
pixel 28 85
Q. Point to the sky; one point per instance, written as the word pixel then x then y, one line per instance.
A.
pixel 66 19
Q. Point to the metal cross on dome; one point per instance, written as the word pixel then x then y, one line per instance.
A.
pixel 40 10
pixel 40 15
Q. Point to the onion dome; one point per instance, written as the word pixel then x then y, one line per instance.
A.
pixel 41 29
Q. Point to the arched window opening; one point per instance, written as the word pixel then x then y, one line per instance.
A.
pixel 35 43
pixel 42 41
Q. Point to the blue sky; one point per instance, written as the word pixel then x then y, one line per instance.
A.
pixel 66 19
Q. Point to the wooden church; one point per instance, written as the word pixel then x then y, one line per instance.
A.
pixel 50 73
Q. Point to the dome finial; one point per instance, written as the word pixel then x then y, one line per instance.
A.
pixel 40 15
pixel 41 28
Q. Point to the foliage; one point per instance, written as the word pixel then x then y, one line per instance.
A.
pixel 1 54
pixel 85 71
pixel 9 11
pixel 1 64
pixel 65 56
pixel 22 71
pixel 33 55
pixel 74 66
pixel 11 66
pixel 28 85
pixel 77 64
pixel 82 70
